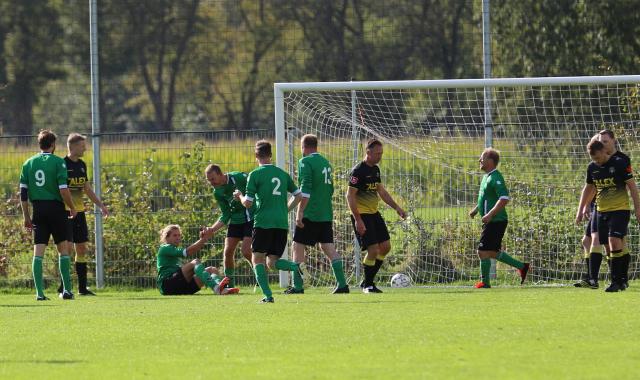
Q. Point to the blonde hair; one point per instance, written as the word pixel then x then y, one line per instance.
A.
pixel 74 138
pixel 164 233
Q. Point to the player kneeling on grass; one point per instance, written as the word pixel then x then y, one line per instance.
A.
pixel 177 279
pixel 492 200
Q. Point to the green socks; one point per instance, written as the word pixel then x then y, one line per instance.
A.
pixel 291 266
pixel 485 270
pixel 338 271
pixel 261 276
pixel 37 275
pixel 230 272
pixel 204 276
pixel 504 257
pixel 64 263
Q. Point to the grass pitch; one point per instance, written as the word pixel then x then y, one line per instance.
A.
pixel 413 333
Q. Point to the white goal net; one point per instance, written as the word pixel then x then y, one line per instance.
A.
pixel 434 132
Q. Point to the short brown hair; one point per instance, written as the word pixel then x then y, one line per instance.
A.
pixel 46 139
pixel 74 138
pixel 310 141
pixel 164 233
pixel 263 149
pixel 213 168
pixel 493 154
pixel 594 146
pixel 607 132
pixel 372 143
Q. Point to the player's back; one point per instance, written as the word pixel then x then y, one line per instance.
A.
pixel 316 179
pixel 43 174
pixel 269 185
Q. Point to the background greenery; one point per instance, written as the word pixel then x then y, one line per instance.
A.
pixel 204 64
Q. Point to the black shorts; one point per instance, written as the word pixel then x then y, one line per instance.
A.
pixel 78 231
pixel 613 224
pixel 491 237
pixel 376 232
pixel 49 219
pixel 270 241
pixel 592 226
pixel 314 232
pixel 240 231
pixel 177 285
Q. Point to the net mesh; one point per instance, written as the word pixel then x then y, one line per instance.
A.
pixel 433 138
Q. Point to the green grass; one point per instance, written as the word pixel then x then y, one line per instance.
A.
pixel 409 333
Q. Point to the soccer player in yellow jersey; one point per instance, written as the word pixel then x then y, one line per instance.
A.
pixel 78 182
pixel 364 192
pixel 609 177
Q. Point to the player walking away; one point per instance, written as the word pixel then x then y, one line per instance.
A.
pixel 233 214
pixel 363 195
pixel 593 250
pixel 78 182
pixel 268 186
pixel 177 279
pixel 314 217
pixel 43 181
pixel 492 200
pixel 609 177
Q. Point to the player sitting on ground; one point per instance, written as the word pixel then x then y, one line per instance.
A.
pixel 177 279
pixel 492 200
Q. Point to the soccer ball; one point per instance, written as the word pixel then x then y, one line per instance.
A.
pixel 400 280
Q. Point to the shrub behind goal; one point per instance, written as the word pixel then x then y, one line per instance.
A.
pixel 433 133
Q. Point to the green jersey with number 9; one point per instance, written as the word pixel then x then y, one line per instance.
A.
pixel 43 175
pixel 267 187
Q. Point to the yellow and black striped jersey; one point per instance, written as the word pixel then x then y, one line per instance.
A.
pixel 366 179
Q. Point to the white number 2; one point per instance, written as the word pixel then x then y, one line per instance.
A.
pixel 39 178
pixel 275 189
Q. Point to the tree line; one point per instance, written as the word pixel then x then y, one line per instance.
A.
pixel 200 65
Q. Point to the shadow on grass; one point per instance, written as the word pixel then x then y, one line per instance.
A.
pixel 34 305
pixel 49 361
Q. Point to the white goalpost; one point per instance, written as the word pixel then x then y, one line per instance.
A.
pixel 434 131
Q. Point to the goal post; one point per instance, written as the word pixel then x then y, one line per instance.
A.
pixel 433 131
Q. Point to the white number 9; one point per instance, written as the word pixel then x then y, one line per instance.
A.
pixel 40 178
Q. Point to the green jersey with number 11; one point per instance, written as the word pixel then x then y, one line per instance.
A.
pixel 267 187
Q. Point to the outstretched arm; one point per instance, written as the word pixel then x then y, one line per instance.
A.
pixel 386 197
pixel 95 199
pixel 588 191
pixel 633 190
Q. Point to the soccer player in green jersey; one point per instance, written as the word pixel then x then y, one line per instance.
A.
pixel 363 195
pixel 268 186
pixel 78 181
pixel 43 181
pixel 177 279
pixel 609 177
pixel 233 214
pixel 314 217
pixel 492 200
